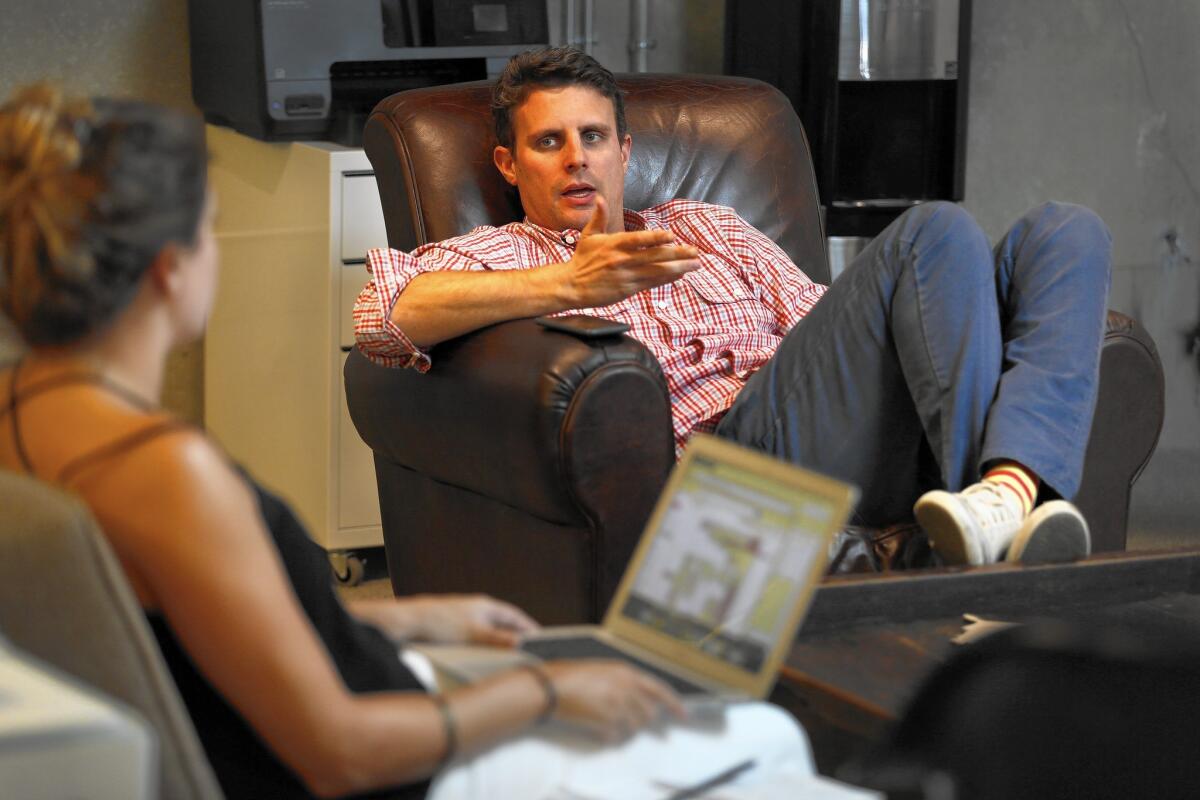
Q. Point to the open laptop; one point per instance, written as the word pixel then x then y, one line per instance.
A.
pixel 721 578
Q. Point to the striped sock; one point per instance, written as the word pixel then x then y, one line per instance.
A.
pixel 1016 479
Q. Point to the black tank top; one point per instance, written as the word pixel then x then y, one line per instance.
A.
pixel 365 658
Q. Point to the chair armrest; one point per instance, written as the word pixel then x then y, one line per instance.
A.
pixel 541 420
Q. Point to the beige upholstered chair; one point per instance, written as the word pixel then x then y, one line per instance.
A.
pixel 65 600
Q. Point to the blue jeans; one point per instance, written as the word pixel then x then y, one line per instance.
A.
pixel 933 355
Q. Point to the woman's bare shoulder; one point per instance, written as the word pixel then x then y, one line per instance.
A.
pixel 178 479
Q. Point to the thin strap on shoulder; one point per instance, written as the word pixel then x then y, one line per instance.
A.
pixel 123 444
pixel 91 378
pixel 18 442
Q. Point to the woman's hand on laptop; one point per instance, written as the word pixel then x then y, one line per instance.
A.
pixel 448 619
pixel 612 699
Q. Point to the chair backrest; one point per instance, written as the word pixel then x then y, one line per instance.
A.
pixel 1099 707
pixel 730 141
pixel 64 599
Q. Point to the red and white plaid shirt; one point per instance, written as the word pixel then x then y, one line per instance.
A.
pixel 710 330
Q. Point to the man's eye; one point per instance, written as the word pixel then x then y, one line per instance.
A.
pixel 591 137
pixel 546 141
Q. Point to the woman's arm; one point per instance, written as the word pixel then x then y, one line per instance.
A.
pixel 190 529
pixel 474 618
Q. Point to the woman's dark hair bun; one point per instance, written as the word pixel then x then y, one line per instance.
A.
pixel 90 193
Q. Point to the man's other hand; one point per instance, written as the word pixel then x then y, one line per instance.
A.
pixel 608 267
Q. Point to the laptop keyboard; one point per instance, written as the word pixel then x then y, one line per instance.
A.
pixel 587 647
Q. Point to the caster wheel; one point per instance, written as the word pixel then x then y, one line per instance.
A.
pixel 348 568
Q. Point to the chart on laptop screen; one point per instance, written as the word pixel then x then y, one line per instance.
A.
pixel 731 555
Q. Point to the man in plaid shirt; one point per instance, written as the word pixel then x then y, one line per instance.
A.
pixel 934 370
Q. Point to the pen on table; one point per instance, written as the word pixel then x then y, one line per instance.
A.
pixel 719 779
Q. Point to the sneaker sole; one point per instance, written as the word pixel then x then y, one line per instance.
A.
pixel 936 512
pixel 1054 533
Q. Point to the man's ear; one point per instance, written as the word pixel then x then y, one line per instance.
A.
pixel 164 273
pixel 626 146
pixel 502 157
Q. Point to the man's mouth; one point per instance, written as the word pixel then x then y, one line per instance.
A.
pixel 579 193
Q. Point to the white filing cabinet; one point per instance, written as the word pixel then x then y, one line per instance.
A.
pixel 294 223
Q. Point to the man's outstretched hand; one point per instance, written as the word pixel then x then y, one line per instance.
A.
pixel 608 267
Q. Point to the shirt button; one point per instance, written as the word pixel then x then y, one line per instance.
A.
pixel 569 239
pixel 662 304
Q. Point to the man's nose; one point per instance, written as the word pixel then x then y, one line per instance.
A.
pixel 573 154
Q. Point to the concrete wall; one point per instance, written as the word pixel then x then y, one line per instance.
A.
pixel 137 48
pixel 1096 102
pixel 127 47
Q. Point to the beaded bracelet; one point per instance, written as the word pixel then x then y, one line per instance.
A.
pixel 539 673
pixel 449 726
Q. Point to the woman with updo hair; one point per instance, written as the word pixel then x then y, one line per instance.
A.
pixel 107 261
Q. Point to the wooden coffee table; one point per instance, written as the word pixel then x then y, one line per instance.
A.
pixel 868 642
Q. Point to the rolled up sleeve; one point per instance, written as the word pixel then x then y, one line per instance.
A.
pixel 380 339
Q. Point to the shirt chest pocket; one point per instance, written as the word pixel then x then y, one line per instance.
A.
pixel 714 288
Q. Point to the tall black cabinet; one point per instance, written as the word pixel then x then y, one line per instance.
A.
pixel 881 87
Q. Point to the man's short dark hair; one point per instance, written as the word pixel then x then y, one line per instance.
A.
pixel 554 66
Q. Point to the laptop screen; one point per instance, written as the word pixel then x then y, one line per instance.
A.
pixel 730 557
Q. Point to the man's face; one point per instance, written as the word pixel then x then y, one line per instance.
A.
pixel 565 153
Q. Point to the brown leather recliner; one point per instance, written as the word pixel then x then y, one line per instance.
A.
pixel 525 462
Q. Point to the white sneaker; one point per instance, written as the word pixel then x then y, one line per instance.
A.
pixel 974 526
pixel 1055 532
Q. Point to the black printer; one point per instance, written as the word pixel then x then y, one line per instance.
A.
pixel 314 69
